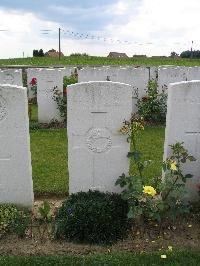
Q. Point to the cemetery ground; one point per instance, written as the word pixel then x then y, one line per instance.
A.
pixel 143 246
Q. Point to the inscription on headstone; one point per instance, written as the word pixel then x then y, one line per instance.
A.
pixel 96 150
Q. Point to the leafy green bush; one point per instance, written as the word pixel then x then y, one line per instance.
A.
pixel 61 98
pixel 20 223
pixel 93 217
pixel 153 106
pixel 154 199
pixel 34 125
pixel 8 213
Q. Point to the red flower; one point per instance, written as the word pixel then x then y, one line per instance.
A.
pixel 33 81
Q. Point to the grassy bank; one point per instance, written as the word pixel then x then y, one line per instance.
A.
pixel 94 60
pixel 178 258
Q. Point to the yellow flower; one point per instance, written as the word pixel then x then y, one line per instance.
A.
pixel 124 129
pixel 170 248
pixel 173 166
pixel 149 190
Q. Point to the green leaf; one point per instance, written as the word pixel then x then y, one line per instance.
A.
pixel 191 158
pixel 130 214
pixel 128 139
pixel 45 209
pixel 164 166
pixel 136 155
pixel 183 160
pixel 130 154
pixel 188 176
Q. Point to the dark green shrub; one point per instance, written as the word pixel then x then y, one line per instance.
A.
pixel 93 217
pixel 7 215
pixel 61 99
pixel 153 106
pixel 34 125
pixel 20 223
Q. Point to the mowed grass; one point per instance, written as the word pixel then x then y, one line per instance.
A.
pixel 34 113
pixel 49 158
pixel 151 145
pixel 177 258
pixel 49 161
pixel 96 60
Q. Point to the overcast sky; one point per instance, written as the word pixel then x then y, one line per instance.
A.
pixel 96 27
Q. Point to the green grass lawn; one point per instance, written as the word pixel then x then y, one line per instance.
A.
pixel 49 161
pixel 34 113
pixel 49 157
pixel 178 258
pixel 95 60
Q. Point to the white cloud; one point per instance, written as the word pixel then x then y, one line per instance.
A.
pixel 170 25
pixel 24 34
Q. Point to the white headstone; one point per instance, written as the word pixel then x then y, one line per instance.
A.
pixel 11 76
pixel 97 152
pixel 47 80
pixel 193 73
pixel 183 125
pixel 167 75
pixel 15 158
pixel 67 71
pixel 136 77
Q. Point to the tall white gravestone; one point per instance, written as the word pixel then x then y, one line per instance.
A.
pixel 15 158
pixel 136 77
pixel 47 80
pixel 167 75
pixel 183 125
pixel 97 152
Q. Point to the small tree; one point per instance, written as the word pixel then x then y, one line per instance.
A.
pixel 35 53
pixel 41 53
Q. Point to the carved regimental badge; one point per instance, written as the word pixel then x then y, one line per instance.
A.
pixel 98 140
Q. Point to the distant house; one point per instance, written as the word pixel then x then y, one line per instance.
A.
pixel 53 53
pixel 117 55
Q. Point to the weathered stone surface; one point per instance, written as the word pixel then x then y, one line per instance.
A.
pixel 11 76
pixel 97 152
pixel 193 73
pixel 167 75
pixel 47 81
pixel 183 125
pixel 136 77
pixel 15 159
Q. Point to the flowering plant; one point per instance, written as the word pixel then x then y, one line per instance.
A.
pixel 153 106
pixel 33 84
pixel 159 199
pixel 61 97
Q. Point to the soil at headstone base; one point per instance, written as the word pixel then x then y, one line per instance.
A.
pixel 184 234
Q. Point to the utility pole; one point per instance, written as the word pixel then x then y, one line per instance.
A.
pixel 59 42
pixel 191 56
